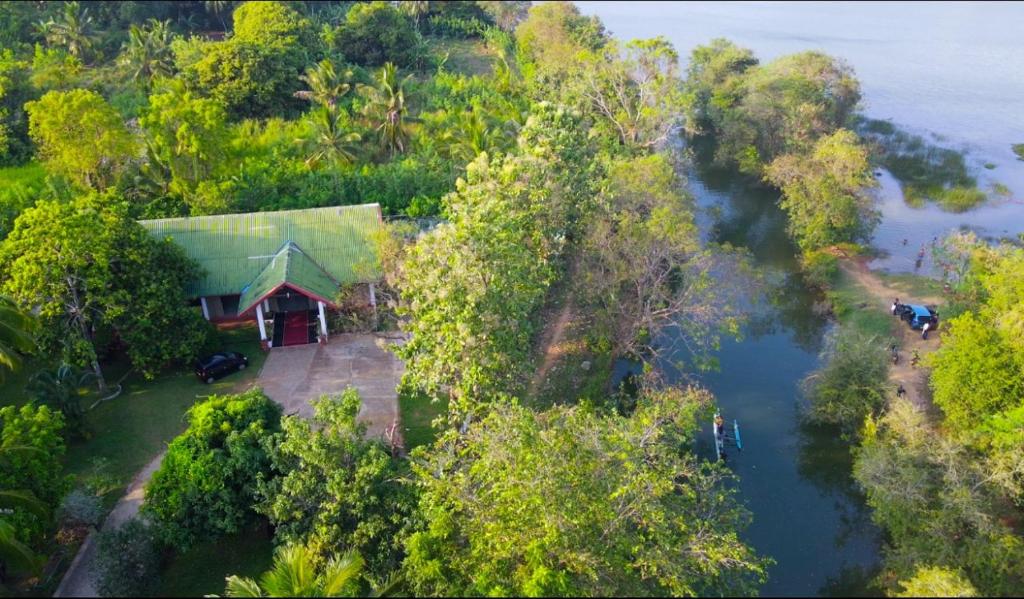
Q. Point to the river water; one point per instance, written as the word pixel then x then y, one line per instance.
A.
pixel 947 71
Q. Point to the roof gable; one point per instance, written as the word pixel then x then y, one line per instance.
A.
pixel 291 267
pixel 233 249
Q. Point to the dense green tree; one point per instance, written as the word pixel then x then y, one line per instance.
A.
pixel 644 266
pixel 823 192
pixel 634 89
pixel 552 39
pixel 256 72
pixel 90 269
pixel 334 490
pixel 375 33
pixel 16 335
pixel 714 80
pixel 206 484
pixel 189 135
pixel 573 502
pixel 976 372
pixel 60 121
pixel 31 461
pixel 295 573
pixel 926 491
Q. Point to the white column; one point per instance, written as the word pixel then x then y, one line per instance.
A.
pixel 206 309
pixel 263 326
pixel 266 305
pixel 323 318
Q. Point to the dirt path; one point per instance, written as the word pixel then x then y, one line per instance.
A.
pixel 552 344
pixel 913 379
pixel 79 580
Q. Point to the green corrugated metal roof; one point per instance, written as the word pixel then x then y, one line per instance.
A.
pixel 292 267
pixel 233 249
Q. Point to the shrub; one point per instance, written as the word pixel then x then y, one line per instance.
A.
pixel 206 484
pixel 127 560
pixel 81 508
pixel 375 33
pixel 38 470
pixel 820 267
pixel 960 199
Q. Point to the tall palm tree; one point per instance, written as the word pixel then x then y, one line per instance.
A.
pixel 415 9
pixel 330 143
pixel 386 110
pixel 218 8
pixel 293 574
pixel 148 51
pixel 16 328
pixel 74 30
pixel 326 85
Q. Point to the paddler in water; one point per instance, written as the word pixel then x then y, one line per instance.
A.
pixel 719 426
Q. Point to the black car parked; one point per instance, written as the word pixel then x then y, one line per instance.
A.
pixel 215 366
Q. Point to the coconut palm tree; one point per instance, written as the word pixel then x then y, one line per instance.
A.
pixel 219 8
pixel 326 85
pixel 331 143
pixel 386 110
pixel 74 30
pixel 147 53
pixel 294 574
pixel 16 328
pixel 415 9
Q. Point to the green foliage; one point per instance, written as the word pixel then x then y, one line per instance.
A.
pixel 714 83
pixel 853 382
pixel 926 491
pixel 823 192
pixel 820 267
pixel 31 461
pixel 62 390
pixel 386 111
pixel 644 266
pixel 73 29
pixel 760 112
pixel 60 121
pixel 91 269
pixel 375 33
pixel 147 54
pixel 206 484
pixel 256 72
pixel 975 373
pixel 936 582
pixel 333 490
pixel 1018 149
pixel 189 136
pixel 15 91
pixel 296 573
pixel 127 560
pixel 551 39
pixel 572 502
pixel 16 329
pixel 470 286
pixel 960 199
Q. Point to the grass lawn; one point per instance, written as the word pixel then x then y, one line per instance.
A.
pixel 855 307
pixel 417 412
pixel 201 571
pixel 126 432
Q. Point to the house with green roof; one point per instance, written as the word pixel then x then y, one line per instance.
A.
pixel 282 269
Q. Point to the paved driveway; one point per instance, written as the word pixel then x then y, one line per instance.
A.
pixel 294 376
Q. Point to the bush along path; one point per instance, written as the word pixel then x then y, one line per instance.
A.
pixel 913 378
pixel 80 579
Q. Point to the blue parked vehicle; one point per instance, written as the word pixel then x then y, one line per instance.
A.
pixel 916 316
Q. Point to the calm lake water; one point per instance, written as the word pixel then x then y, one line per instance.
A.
pixel 947 71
